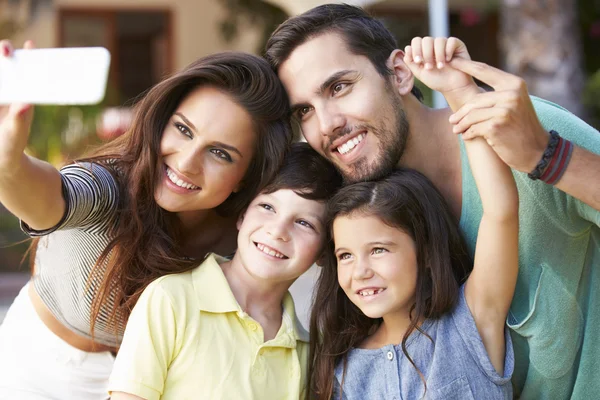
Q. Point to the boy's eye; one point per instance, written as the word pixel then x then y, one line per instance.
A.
pixel 222 154
pixel 307 224
pixel 266 206
pixel 338 87
pixel 378 250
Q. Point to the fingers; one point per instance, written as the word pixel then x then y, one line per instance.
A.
pixel 6 48
pixel 436 52
pixel 478 116
pixel 494 77
pixel 485 100
pixel 440 52
pixel 416 50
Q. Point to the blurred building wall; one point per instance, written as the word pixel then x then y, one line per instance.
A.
pixel 195 25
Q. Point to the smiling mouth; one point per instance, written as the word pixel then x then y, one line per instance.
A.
pixel 348 146
pixel 179 182
pixel 370 292
pixel 269 251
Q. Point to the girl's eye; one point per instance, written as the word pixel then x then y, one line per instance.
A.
pixel 378 250
pixel 307 224
pixel 183 129
pixel 267 207
pixel 344 256
pixel 222 154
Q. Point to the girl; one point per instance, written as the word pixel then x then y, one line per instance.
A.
pixel 407 318
pixel 145 205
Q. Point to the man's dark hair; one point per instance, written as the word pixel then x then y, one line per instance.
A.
pixel 363 34
pixel 307 173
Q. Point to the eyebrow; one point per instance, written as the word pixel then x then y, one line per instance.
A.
pixel 324 86
pixel 376 243
pixel 219 144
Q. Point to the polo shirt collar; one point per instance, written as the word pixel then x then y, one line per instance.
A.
pixel 211 287
pixel 214 295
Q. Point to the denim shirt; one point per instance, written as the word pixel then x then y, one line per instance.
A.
pixel 455 365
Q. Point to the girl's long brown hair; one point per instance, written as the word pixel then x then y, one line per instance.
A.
pixel 146 243
pixel 408 201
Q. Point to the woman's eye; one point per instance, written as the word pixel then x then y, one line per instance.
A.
pixel 222 154
pixel 183 129
pixel 378 250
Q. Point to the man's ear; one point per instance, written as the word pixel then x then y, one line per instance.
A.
pixel 403 79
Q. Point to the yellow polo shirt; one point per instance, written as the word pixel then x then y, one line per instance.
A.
pixel 188 338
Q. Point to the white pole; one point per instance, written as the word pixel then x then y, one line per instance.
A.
pixel 438 26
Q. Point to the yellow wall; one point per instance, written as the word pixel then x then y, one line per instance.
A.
pixel 195 26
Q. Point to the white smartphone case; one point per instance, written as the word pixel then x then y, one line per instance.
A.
pixel 74 75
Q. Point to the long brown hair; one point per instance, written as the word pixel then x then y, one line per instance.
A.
pixel 408 201
pixel 146 238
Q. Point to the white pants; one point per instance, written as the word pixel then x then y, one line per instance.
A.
pixel 36 364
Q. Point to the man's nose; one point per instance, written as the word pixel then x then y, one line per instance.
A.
pixel 331 120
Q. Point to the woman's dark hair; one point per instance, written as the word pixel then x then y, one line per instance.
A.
pixel 408 201
pixel 363 34
pixel 307 173
pixel 147 239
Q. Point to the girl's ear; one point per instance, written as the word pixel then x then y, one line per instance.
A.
pixel 403 79
pixel 240 219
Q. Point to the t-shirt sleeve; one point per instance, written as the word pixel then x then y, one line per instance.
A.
pixel 91 197
pixel 148 347
pixel 579 133
pixel 465 325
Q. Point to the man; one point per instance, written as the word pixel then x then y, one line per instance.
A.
pixel 354 98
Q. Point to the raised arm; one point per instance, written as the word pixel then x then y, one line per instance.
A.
pixel 29 188
pixel 518 136
pixel 490 287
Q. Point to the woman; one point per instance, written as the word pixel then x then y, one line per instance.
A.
pixel 150 203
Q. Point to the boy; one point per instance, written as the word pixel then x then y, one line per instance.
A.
pixel 228 329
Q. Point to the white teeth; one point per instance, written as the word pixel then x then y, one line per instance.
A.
pixel 269 251
pixel 175 179
pixel 370 292
pixel 350 144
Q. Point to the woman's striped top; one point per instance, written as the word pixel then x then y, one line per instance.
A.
pixel 67 253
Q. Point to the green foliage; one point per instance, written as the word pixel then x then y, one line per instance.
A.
pixel 255 12
pixel 591 98
pixel 61 131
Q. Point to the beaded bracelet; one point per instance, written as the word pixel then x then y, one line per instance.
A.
pixel 559 162
pixel 546 157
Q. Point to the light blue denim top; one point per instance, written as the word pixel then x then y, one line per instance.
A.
pixel 455 365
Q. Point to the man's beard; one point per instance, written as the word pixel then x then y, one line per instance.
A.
pixel 392 143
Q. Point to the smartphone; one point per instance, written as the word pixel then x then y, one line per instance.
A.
pixel 73 75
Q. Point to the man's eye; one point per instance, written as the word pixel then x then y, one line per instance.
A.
pixel 338 87
pixel 302 111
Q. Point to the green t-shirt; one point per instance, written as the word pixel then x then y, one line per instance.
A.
pixel 555 313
